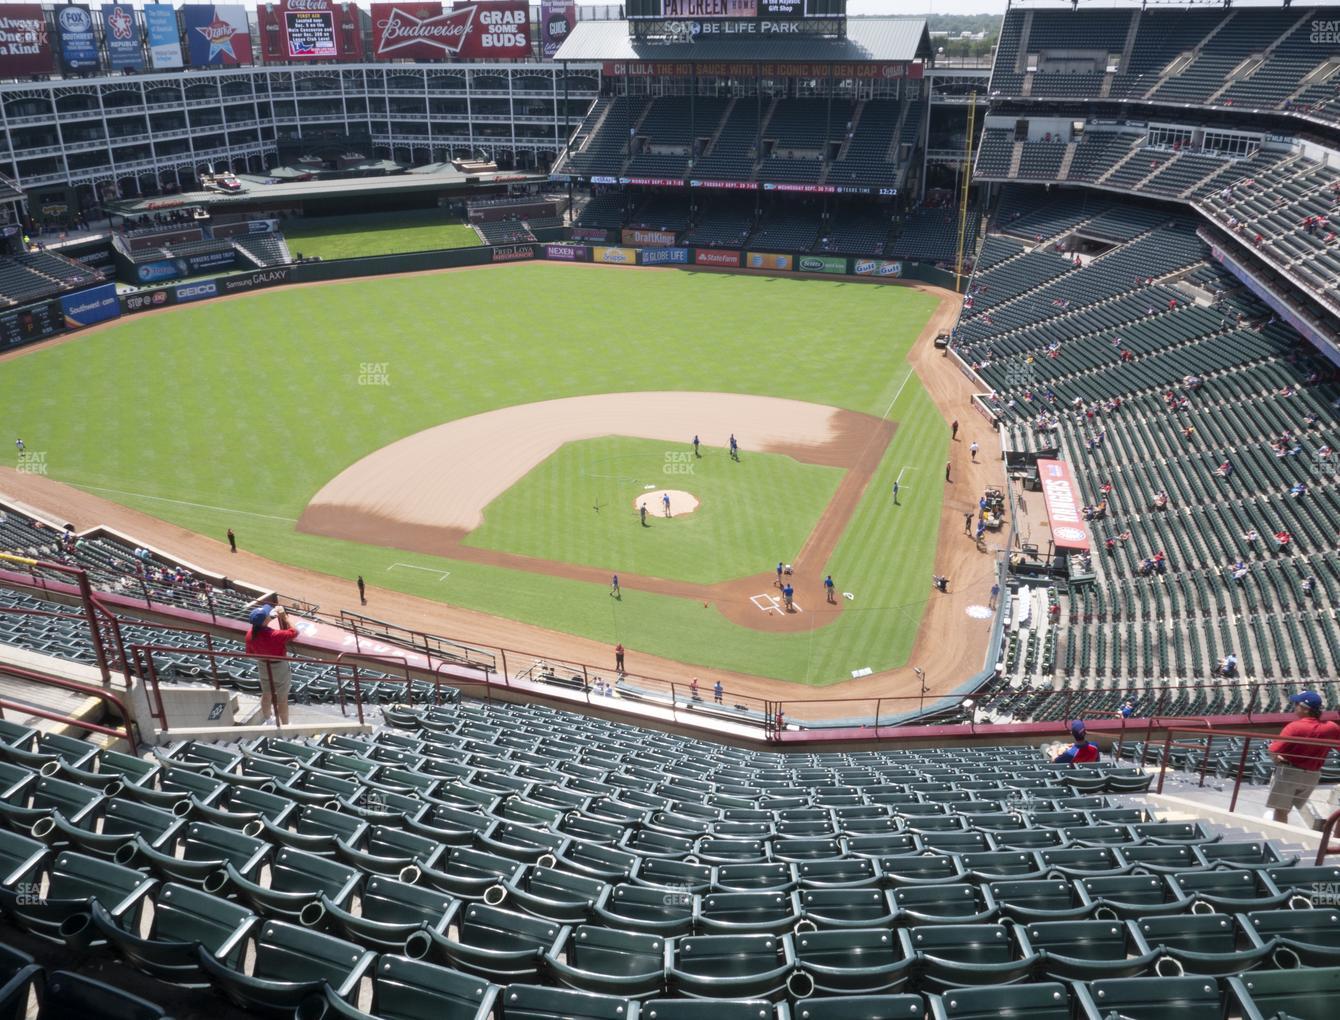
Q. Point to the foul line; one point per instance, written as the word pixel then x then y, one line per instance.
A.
pixel 182 502
pixel 898 394
pixel 414 566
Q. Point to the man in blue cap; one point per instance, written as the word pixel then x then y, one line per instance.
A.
pixel 1298 766
pixel 1081 752
pixel 271 645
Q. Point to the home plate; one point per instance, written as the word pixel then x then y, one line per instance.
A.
pixel 768 603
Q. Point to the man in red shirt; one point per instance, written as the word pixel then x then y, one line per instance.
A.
pixel 1298 766
pixel 275 675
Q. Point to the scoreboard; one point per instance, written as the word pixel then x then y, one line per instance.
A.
pixel 734 9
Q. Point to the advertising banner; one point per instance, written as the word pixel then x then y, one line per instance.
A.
pixel 650 238
pixel 253 281
pixel 512 253
pixel 97 304
pixel 78 46
pixel 157 271
pixel 663 257
pixel 309 30
pixel 762 260
pixel 877 267
pixel 589 234
pixel 146 300
pixel 160 25
pixel 217 35
pixel 720 69
pixel 198 291
pixel 1064 508
pixel 568 252
pixel 423 31
pixel 821 264
pixel 709 8
pixel 556 21
pixel 615 256
pixel 726 185
pixel 122 33
pixel 36 322
pixel 712 257
pixel 25 47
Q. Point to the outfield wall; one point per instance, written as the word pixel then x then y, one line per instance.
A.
pixel 52 317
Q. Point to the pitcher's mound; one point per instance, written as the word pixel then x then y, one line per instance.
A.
pixel 681 502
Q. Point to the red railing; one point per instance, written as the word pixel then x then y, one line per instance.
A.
pixel 1208 735
pixel 128 731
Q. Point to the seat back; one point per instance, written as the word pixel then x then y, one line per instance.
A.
pixel 424 991
pixel 287 952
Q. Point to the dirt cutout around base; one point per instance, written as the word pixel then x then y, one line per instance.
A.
pixel 426 492
pixel 681 503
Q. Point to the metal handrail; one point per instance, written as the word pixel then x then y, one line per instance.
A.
pixel 1247 736
pixel 129 734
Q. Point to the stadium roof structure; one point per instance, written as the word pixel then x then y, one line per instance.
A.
pixel 883 40
pixel 254 191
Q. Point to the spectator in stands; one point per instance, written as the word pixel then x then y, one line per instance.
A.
pixel 272 644
pixel 1307 587
pixel 1239 571
pixel 1282 539
pixel 1298 766
pixel 1251 536
pixel 718 693
pixel 693 689
pixel 1127 708
pixel 1225 469
pixel 1082 751
pixel 1297 489
pixel 1161 500
pixel 1228 665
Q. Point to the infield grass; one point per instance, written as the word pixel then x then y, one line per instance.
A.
pixel 347 237
pixel 576 506
pixel 234 413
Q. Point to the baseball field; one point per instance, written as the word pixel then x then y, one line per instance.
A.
pixel 482 437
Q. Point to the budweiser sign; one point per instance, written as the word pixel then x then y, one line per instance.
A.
pixel 308 5
pixel 400 32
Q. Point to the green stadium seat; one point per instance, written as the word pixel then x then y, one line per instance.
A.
pixel 534 1002
pixel 405 989
pixel 20 980
pixel 1304 994
pixel 843 873
pixel 21 860
pixel 389 912
pixel 1255 854
pixel 1306 881
pixel 465 873
pixel 861 1007
pixel 557 895
pixel 952 956
pixel 776 876
pixel 239 806
pixel 73 881
pixel 183 918
pixel 1086 950
pixel 1166 859
pixel 740 913
pixel 717 1009
pixel 608 961
pixel 944 904
pixel 1003 865
pixel 1230 891
pixel 1049 899
pixel 1213 944
pixel 1312 935
pixel 864 961
pixel 652 910
pixel 205 850
pixel 1130 896
pixel 69 996
pixel 288 965
pixel 923 869
pixel 729 966
pixel 1079 861
pixel 1154 998
pixel 1040 1001
pixel 389 851
pixel 296 879
pixel 848 908
pixel 496 944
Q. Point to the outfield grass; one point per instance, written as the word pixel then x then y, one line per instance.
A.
pixel 750 513
pixel 346 237
pixel 233 414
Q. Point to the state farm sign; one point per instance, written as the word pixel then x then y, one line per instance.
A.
pixel 424 31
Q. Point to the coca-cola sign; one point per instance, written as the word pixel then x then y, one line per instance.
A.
pixel 423 31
